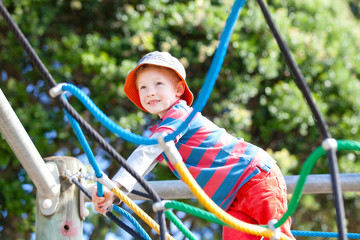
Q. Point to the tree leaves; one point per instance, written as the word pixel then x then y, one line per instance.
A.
pixel 94 44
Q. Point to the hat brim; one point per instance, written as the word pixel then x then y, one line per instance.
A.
pixel 132 93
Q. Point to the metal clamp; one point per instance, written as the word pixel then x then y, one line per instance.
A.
pixel 83 211
pixel 329 144
pixel 57 90
pixel 108 209
pixel 105 180
pixel 160 206
pixel 48 205
pixel 277 232
pixel 170 150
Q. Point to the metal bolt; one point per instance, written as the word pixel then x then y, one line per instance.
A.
pixel 46 204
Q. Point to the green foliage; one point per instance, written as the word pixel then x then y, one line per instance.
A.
pixel 94 44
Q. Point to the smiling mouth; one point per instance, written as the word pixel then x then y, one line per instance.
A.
pixel 153 102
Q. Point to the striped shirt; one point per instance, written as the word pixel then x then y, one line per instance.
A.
pixel 219 162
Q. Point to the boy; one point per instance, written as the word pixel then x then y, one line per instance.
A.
pixel 238 176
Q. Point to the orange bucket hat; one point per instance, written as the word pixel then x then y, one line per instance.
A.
pixel 162 59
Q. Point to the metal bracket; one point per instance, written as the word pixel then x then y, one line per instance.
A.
pixel 160 206
pixel 47 204
pixel 170 150
pixel 84 212
pixel 329 144
pixel 57 90
pixel 277 232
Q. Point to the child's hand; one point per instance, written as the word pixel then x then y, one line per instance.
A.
pixel 102 203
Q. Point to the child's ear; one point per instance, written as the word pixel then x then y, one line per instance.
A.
pixel 180 89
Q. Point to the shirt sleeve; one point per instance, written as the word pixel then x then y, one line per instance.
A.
pixel 142 161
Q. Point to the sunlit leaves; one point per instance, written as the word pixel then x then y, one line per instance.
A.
pixel 94 44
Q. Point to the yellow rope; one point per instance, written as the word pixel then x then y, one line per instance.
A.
pixel 220 213
pixel 146 218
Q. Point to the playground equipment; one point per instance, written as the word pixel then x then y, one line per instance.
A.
pixel 329 146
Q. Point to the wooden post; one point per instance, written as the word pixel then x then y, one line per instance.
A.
pixel 65 222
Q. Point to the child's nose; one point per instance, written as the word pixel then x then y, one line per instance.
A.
pixel 151 91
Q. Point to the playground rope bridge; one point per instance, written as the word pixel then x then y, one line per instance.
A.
pixel 163 208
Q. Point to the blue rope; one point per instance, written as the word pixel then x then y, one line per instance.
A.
pixel 80 135
pixel 105 120
pixel 199 104
pixel 323 234
pixel 132 220
pixel 214 69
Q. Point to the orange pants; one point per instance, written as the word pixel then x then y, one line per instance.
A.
pixel 261 199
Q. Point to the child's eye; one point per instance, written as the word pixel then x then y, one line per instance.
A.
pixel 159 83
pixel 142 88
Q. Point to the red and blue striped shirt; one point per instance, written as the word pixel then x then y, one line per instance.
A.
pixel 219 162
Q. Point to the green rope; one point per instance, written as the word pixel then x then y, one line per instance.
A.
pixel 197 212
pixel 172 217
pixel 305 171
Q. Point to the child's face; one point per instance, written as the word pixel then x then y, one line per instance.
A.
pixel 158 90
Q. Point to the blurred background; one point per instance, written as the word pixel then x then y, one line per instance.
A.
pixel 93 44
